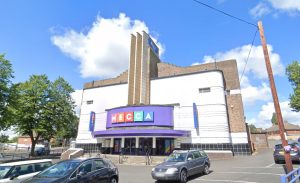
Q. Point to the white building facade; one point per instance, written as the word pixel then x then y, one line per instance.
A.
pixel 191 107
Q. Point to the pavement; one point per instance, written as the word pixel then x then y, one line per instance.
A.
pixel 258 168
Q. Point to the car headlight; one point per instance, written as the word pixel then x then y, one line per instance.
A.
pixel 153 169
pixel 171 170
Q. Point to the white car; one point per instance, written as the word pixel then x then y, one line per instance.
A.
pixel 21 170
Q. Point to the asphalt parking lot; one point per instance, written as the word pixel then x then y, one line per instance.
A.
pixel 258 168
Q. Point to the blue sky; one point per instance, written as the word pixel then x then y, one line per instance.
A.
pixel 89 40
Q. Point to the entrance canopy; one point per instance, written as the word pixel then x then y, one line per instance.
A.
pixel 142 132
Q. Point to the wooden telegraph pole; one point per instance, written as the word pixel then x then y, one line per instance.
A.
pixel 284 142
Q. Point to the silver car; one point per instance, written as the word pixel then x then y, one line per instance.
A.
pixel 182 164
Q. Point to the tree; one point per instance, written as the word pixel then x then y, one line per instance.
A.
pixel 6 93
pixel 13 140
pixel 274 119
pixel 4 138
pixel 252 128
pixel 60 110
pixel 293 73
pixel 44 108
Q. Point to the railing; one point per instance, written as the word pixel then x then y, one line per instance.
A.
pixel 291 177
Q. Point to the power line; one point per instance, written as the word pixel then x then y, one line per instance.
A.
pixel 248 55
pixel 227 14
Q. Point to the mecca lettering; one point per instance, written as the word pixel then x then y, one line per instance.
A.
pixel 130 117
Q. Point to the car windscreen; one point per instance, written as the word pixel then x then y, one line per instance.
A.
pixel 4 170
pixel 177 157
pixel 59 170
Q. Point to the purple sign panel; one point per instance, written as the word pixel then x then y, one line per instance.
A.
pixel 140 116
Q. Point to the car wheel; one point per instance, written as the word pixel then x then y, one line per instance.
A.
pixel 277 161
pixel 206 169
pixel 113 180
pixel 183 176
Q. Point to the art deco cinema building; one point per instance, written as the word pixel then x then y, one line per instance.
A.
pixel 160 107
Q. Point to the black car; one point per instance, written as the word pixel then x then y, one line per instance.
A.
pixel 278 153
pixel 182 164
pixel 90 170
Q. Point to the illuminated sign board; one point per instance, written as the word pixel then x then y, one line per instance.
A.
pixel 140 116
pixel 128 117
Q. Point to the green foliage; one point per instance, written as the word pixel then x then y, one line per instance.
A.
pixel 252 128
pixel 293 73
pixel 13 140
pixel 6 93
pixel 274 119
pixel 45 108
pixel 4 138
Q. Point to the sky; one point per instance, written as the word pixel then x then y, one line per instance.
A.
pixel 84 41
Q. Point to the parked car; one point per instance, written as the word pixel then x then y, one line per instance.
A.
pixel 39 151
pixel 182 164
pixel 21 170
pixel 279 152
pixel 79 170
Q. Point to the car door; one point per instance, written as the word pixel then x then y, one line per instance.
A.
pixel 190 164
pixel 100 171
pixel 199 162
pixel 83 173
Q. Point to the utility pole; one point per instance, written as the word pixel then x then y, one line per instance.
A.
pixel 284 142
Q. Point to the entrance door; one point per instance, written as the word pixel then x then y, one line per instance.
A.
pixel 129 146
pixel 145 145
pixel 117 146
pixel 164 146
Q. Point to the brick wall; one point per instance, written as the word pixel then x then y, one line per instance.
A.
pixel 24 140
pixel 259 140
pixel 236 113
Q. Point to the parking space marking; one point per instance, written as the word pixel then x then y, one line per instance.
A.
pixel 235 181
pixel 248 167
pixel 250 173
pixel 270 165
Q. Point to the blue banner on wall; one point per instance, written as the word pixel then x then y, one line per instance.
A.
pixel 196 120
pixel 92 121
pixel 195 110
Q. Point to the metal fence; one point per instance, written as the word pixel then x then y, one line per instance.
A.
pixel 291 177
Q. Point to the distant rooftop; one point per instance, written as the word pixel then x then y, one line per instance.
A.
pixel 287 126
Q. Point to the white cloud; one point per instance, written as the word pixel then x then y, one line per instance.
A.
pixel 251 93
pixel 77 96
pixel 256 62
pixel 286 5
pixel 263 119
pixel 260 10
pixel 104 50
pixel 291 7
pixel 255 68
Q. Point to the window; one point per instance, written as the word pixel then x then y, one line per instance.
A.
pixel 86 167
pixel 190 155
pixel 41 166
pixel 89 102
pixel 203 154
pixel 99 164
pixel 204 90
pixel 196 154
